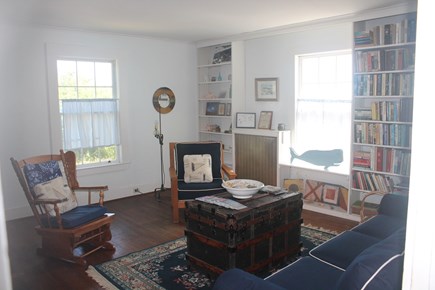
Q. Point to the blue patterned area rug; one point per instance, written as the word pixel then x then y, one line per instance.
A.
pixel 165 266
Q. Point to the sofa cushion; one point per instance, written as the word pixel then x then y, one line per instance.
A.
pixel 380 226
pixel 378 267
pixel 394 205
pixel 342 249
pixel 197 168
pixel 306 273
pixel 56 188
pixel 236 279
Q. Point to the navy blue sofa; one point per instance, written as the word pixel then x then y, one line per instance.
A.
pixel 369 256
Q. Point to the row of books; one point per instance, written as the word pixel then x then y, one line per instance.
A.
pixel 385 59
pixel 384 84
pixel 383 160
pixel 393 111
pixel 383 134
pixel 401 32
pixel 371 181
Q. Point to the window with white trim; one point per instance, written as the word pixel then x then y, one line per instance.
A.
pixel 89 110
pixel 323 103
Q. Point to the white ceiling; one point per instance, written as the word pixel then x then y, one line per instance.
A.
pixel 190 20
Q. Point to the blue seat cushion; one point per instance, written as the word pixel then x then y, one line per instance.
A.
pixel 212 148
pixel 236 279
pixel 378 267
pixel 380 226
pixel 306 273
pixel 342 249
pixel 79 216
pixel 188 191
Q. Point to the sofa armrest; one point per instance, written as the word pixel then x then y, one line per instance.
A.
pixel 236 279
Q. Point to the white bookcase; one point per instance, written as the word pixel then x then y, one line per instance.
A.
pixel 384 52
pixel 215 96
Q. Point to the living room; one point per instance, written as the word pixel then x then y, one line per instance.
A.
pixel 144 65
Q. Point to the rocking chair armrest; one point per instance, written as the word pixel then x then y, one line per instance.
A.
pixel 228 171
pixel 91 188
pixel 49 201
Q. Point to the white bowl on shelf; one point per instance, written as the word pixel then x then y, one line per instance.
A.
pixel 242 188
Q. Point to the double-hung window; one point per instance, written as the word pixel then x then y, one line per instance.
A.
pixel 323 103
pixel 89 110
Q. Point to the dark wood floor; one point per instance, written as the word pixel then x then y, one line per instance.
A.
pixel 140 222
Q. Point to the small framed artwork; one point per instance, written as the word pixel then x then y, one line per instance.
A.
pixel 228 109
pixel 266 89
pixel 212 108
pixel 265 121
pixel 221 109
pixel 245 120
pixel 330 194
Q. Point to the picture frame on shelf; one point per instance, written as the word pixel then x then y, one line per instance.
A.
pixel 330 194
pixel 221 109
pixel 266 89
pixel 228 109
pixel 222 54
pixel 245 120
pixel 265 120
pixel 212 108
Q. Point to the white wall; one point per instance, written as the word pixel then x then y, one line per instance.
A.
pixel 144 65
pixel 279 61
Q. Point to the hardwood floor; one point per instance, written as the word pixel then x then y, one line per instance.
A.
pixel 140 222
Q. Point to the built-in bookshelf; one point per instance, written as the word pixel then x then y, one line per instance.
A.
pixel 384 53
pixel 215 96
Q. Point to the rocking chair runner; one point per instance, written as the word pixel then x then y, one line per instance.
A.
pixel 69 232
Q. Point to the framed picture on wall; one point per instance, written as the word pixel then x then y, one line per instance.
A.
pixel 266 89
pixel 265 121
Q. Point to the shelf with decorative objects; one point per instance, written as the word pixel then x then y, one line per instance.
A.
pixel 215 96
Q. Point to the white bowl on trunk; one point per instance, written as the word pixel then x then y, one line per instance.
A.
pixel 242 188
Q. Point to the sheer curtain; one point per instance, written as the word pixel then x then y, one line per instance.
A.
pixel 323 103
pixel 90 123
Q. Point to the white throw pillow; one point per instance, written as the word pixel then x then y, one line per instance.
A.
pixel 56 188
pixel 197 168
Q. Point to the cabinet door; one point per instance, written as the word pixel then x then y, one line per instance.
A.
pixel 256 158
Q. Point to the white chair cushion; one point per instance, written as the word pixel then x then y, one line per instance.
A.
pixel 56 188
pixel 197 168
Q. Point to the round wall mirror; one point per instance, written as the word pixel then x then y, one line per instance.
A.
pixel 163 100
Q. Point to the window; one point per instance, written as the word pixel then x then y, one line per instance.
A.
pixel 323 103
pixel 88 104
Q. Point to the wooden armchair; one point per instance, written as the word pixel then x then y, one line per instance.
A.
pixel 69 231
pixel 184 183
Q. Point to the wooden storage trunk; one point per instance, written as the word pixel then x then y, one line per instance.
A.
pixel 256 239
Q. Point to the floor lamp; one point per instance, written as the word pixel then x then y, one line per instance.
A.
pixel 163 102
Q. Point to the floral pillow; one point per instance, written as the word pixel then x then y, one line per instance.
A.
pixel 56 188
pixel 197 168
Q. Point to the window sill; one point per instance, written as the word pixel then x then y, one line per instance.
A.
pixel 86 171
pixel 342 169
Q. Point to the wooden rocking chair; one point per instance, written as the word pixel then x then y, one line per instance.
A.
pixel 69 232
